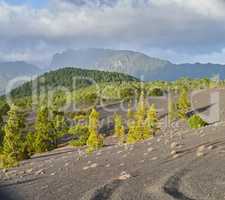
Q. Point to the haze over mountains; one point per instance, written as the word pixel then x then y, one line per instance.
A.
pixel 133 63
pixel 11 70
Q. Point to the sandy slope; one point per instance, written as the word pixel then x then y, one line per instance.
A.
pixel 177 164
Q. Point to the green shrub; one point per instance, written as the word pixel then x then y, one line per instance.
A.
pixel 196 122
pixel 127 93
pixel 156 92
pixel 7 161
pixel 81 134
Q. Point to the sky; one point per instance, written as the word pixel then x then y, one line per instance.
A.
pixel 177 30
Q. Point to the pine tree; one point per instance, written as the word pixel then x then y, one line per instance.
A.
pixel 13 143
pixel 60 127
pixel 129 111
pixel 138 129
pixel 172 110
pixel 30 143
pixel 44 131
pixel 1 131
pixel 94 141
pixel 152 119
pixel 141 108
pixel 183 104
pixel 134 135
pixel 119 128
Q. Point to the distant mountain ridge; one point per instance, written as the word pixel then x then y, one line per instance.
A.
pixel 134 63
pixel 11 70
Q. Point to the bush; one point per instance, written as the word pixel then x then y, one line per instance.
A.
pixel 156 92
pixel 81 134
pixel 127 93
pixel 195 122
pixel 7 161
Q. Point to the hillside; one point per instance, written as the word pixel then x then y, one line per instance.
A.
pixel 179 163
pixel 70 78
pixel 135 64
pixel 123 61
pixel 11 70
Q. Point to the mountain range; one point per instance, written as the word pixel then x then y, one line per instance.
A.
pixel 12 70
pixel 134 63
pixel 129 62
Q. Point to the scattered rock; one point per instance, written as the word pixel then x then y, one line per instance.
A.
pixel 108 165
pixel 53 174
pixel 176 156
pixel 150 149
pixel 66 164
pixel 154 158
pixel 145 154
pixel 44 187
pixel 40 172
pixel 173 145
pixel 21 172
pixel 85 168
pixel 94 165
pixel 173 152
pixel 29 171
pixel 199 154
pixel 201 148
pixel 124 176
pixel 210 147
pixel 121 164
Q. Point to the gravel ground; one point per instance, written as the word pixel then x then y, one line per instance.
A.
pixel 178 163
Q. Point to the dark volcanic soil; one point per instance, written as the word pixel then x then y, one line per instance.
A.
pixel 178 163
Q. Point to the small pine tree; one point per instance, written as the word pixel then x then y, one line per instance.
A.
pixel 13 143
pixel 119 128
pixel 183 104
pixel 95 141
pixel 44 132
pixel 141 108
pixel 1 131
pixel 134 134
pixel 129 112
pixel 172 110
pixel 152 119
pixel 138 130
pixel 60 127
pixel 30 143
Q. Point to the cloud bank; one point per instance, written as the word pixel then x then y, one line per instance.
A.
pixel 179 30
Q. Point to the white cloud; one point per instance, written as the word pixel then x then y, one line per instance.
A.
pixel 211 8
pixel 185 26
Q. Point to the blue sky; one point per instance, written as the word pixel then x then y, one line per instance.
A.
pixel 33 3
pixel 176 30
